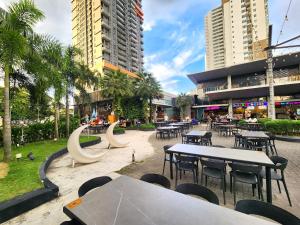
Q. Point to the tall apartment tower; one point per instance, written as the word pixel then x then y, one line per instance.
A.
pixel 109 33
pixel 236 33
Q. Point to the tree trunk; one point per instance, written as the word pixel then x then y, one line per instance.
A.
pixel 6 120
pixel 150 104
pixel 56 120
pixel 67 114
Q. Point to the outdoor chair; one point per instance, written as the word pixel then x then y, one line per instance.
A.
pixel 167 156
pixel 238 140
pixel 153 178
pixel 93 183
pixel 193 140
pixel 206 139
pixel 271 143
pixel 186 163
pixel 183 138
pixel 247 174
pixel 158 134
pixel 267 210
pixel 214 169
pixel 71 222
pixel 280 164
pixel 198 190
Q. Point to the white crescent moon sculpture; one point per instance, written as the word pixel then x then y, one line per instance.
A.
pixel 77 152
pixel 113 142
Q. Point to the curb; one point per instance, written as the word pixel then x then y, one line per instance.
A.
pixel 30 200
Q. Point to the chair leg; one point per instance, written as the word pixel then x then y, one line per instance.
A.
pixel 253 187
pixel 205 181
pixel 224 188
pixel 194 177
pixel 234 194
pixel 278 186
pixel 230 183
pixel 176 177
pixel 164 166
pixel 260 194
pixel 275 149
pixel 286 191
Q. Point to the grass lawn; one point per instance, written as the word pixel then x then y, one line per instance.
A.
pixel 23 175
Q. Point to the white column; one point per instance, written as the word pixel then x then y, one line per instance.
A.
pixel 230 108
pixel 229 81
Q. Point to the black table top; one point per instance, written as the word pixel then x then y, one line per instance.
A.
pixel 127 201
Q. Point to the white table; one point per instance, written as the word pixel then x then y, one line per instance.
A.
pixel 196 133
pixel 127 201
pixel 228 154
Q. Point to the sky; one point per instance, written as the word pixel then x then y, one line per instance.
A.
pixel 174 36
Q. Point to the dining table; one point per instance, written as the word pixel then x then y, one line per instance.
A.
pixel 128 201
pixel 227 154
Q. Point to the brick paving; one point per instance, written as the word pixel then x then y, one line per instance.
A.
pixel 291 151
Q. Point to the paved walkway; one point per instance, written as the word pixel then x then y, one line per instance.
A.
pixel 69 179
pixel 291 151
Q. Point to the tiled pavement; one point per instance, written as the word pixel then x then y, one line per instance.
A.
pixel 291 151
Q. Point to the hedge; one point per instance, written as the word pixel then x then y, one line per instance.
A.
pixel 39 131
pixel 282 127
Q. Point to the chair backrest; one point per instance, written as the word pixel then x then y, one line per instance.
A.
pixel 208 135
pixel 245 168
pixel 166 147
pixel 267 210
pixel 195 189
pixel 280 162
pixel 213 164
pixel 156 179
pixel 186 159
pixel 93 183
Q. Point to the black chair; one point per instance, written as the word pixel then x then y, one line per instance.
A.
pixel 267 210
pixel 71 222
pixel 247 174
pixel 183 138
pixel 93 183
pixel 186 163
pixel 167 157
pixel 206 139
pixel 156 179
pixel 193 140
pixel 280 163
pixel 238 140
pixel 271 143
pixel 215 169
pixel 198 190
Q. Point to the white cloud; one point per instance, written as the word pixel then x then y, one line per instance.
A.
pixel 57 21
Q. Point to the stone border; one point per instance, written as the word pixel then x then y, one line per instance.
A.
pixel 25 202
pixel 288 138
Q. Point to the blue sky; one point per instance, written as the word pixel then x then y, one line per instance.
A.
pixel 174 38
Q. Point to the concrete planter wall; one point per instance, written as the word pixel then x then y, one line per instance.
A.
pixel 23 203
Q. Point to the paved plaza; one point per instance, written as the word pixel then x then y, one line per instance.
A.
pixel 149 159
pixel 288 150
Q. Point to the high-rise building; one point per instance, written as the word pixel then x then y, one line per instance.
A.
pixel 236 32
pixel 109 34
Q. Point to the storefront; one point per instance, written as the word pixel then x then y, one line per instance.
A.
pixel 257 108
pixel 284 109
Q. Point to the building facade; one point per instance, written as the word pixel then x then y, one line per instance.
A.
pixel 243 89
pixel 236 33
pixel 109 34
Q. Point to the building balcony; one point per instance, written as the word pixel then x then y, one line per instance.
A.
pixel 105 23
pixel 106 36
pixel 105 11
pixel 280 89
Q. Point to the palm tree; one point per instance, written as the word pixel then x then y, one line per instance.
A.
pixel 15 25
pixel 77 76
pixel 182 102
pixel 116 86
pixel 148 88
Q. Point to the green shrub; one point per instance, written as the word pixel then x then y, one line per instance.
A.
pixel 147 126
pixel 119 130
pixel 282 127
pixel 40 131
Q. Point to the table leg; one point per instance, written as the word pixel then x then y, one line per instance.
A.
pixel 268 185
pixel 171 165
pixel 267 148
